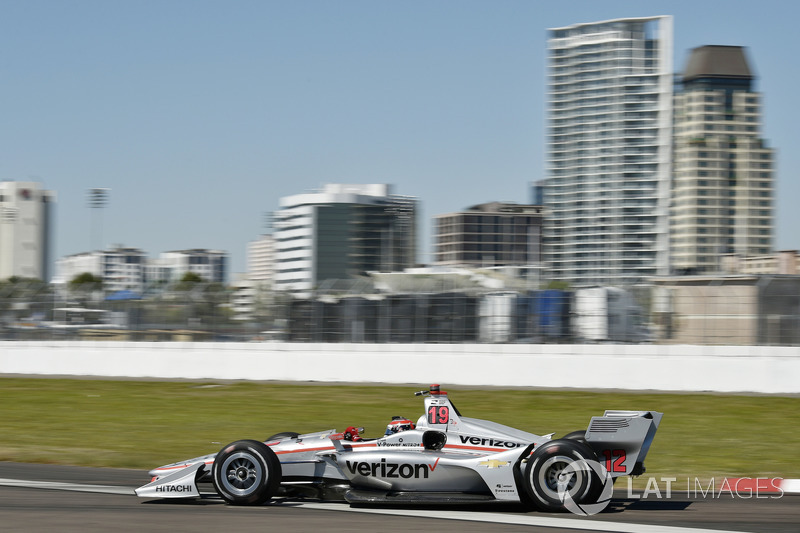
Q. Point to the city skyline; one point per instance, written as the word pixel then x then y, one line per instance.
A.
pixel 200 116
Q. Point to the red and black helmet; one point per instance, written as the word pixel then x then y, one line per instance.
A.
pixel 398 424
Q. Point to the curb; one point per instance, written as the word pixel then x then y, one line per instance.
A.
pixel 761 485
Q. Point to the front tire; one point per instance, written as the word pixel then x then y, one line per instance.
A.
pixel 546 481
pixel 246 472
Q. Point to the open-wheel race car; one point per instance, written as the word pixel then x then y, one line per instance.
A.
pixel 441 458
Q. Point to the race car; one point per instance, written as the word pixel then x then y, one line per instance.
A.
pixel 441 458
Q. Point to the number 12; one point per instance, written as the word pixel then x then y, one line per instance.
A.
pixel 614 460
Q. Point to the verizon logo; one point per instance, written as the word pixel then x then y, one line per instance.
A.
pixel 386 469
pixel 479 441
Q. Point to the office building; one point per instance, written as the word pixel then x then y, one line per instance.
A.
pixel 130 269
pixel 261 259
pixel 723 191
pixel 489 235
pixel 25 230
pixel 120 268
pixel 610 90
pixel 342 231
pixel 784 263
pixel 210 265
pixel 253 290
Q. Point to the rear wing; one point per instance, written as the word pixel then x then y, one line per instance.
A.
pixel 621 440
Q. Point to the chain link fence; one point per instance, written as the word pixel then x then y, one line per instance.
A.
pixel 735 310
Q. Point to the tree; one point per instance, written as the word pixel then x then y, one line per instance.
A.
pixel 16 286
pixel 86 281
pixel 202 300
pixel 189 282
pixel 24 294
pixel 86 286
pixel 191 277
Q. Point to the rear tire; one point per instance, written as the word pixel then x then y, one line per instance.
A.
pixel 544 473
pixel 246 472
pixel 579 436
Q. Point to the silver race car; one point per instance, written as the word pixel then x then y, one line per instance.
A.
pixel 442 458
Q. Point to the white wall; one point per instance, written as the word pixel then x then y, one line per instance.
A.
pixel 635 366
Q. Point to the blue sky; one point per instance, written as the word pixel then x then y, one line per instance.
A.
pixel 199 115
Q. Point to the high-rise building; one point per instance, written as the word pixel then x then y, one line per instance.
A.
pixel 253 290
pixel 610 87
pixel 261 259
pixel 342 231
pixel 723 185
pixel 537 192
pixel 25 230
pixel 489 235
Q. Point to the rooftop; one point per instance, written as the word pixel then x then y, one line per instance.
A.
pixel 714 61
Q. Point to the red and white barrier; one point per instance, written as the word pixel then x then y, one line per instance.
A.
pixel 790 486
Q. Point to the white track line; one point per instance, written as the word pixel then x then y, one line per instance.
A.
pixel 584 524
pixel 74 487
pixel 522 520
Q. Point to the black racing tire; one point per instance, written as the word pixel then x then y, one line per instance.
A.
pixel 282 435
pixel 543 470
pixel 246 472
pixel 597 489
pixel 579 435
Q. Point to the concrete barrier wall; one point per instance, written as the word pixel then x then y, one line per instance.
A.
pixel 760 369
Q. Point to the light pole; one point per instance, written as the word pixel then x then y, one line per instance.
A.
pixel 97 199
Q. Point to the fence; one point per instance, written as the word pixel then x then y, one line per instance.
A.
pixel 733 310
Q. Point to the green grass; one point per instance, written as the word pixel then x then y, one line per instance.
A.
pixel 143 424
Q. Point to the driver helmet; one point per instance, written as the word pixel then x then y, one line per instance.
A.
pixel 399 424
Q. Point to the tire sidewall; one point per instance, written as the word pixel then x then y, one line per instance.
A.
pixel 556 455
pixel 265 463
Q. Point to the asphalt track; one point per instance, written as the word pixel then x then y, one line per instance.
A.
pixel 63 498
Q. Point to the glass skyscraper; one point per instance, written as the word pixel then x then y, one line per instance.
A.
pixel 609 140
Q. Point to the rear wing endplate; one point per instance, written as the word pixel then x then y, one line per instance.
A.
pixel 621 439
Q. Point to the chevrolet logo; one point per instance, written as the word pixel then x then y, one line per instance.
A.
pixel 493 463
